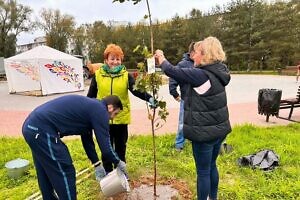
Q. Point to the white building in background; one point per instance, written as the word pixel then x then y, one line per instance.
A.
pixel 39 41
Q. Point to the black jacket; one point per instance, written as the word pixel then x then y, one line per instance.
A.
pixel 186 62
pixel 206 115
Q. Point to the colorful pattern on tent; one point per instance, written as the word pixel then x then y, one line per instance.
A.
pixel 27 69
pixel 65 72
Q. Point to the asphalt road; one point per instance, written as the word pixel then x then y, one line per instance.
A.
pixel 242 89
pixel 242 94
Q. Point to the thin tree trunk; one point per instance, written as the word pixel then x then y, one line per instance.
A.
pixel 151 30
pixel 154 93
pixel 152 120
pixel 154 155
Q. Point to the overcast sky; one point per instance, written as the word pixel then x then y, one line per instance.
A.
pixel 88 11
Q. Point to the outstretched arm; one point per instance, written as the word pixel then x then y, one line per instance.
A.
pixel 193 76
pixel 142 95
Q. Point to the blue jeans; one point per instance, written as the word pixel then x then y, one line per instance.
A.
pixel 179 142
pixel 205 155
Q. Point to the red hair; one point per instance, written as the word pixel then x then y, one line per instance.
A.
pixel 113 49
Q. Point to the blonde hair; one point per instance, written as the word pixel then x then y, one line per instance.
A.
pixel 211 49
pixel 113 49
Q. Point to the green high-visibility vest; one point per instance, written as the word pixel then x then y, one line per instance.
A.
pixel 115 84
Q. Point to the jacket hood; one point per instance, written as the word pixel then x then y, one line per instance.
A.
pixel 220 70
pixel 186 57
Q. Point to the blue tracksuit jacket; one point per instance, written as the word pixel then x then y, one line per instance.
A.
pixel 186 62
pixel 76 115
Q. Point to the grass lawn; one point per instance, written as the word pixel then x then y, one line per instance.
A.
pixel 256 72
pixel 235 182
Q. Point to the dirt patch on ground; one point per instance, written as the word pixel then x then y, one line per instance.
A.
pixel 167 189
pixel 145 192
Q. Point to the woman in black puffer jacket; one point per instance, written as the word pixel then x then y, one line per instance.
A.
pixel 206 118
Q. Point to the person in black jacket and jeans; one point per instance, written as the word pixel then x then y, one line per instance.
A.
pixel 173 84
pixel 206 117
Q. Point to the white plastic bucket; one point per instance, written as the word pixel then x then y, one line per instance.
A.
pixel 114 183
pixel 16 168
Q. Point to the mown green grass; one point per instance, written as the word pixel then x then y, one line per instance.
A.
pixel 256 72
pixel 235 182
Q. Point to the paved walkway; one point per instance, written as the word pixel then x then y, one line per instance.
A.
pixel 242 100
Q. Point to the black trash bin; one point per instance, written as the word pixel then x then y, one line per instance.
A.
pixel 268 102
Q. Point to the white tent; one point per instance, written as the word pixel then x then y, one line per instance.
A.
pixel 44 69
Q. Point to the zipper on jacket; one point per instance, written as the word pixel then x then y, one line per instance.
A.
pixel 111 92
pixel 111 85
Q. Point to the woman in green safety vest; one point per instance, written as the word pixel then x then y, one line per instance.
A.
pixel 112 78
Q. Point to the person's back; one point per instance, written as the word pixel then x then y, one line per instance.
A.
pixel 60 114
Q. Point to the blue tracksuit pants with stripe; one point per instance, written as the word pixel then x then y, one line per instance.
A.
pixel 53 163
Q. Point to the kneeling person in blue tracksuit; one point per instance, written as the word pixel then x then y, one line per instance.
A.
pixel 69 115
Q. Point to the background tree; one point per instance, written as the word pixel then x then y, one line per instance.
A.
pixel 58 28
pixel 283 37
pixel 98 35
pixel 78 39
pixel 256 35
pixel 294 6
pixel 200 25
pixel 241 35
pixel 194 24
pixel 14 19
pixel 128 38
pixel 173 39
